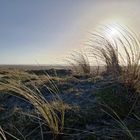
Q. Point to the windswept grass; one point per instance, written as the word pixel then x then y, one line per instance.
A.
pixel 79 62
pixel 120 54
pixel 52 115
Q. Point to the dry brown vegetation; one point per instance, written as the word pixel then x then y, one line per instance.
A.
pixel 52 115
pixel 120 54
pixel 79 62
pixel 92 106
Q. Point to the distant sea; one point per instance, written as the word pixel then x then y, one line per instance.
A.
pixel 33 67
pixel 41 67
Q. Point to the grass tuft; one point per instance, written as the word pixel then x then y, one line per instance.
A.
pixel 120 54
pixel 53 116
pixel 79 62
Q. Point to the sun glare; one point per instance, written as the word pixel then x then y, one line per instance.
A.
pixel 113 31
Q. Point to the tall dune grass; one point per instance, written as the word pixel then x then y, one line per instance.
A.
pixel 120 54
pixel 53 116
pixel 79 62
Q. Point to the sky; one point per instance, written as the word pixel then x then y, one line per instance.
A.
pixel 46 31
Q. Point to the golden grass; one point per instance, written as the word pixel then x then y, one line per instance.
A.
pixel 79 62
pixel 54 117
pixel 120 54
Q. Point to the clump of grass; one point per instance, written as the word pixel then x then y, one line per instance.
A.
pixel 106 52
pixel 53 116
pixel 120 54
pixel 79 62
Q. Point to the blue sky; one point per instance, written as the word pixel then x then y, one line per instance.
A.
pixel 44 31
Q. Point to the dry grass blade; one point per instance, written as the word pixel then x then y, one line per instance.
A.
pixel 2 135
pixel 119 121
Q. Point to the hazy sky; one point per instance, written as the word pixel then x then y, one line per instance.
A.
pixel 45 31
